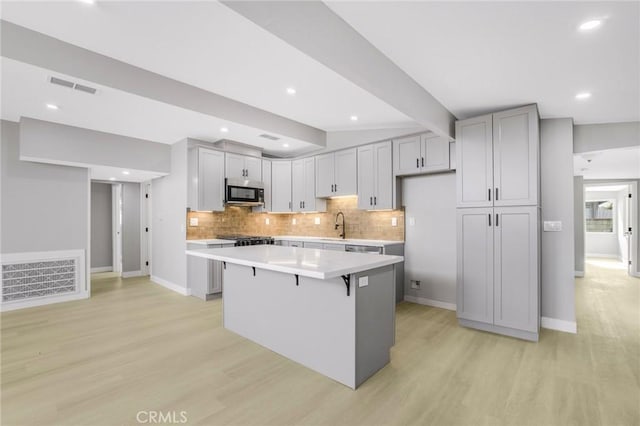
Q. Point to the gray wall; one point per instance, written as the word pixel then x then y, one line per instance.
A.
pixel 578 223
pixel 596 137
pixel 603 244
pixel 430 245
pixel 130 227
pixel 57 143
pixel 168 201
pixel 44 207
pixel 556 160
pixel 101 225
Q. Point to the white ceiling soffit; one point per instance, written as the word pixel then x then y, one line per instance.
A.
pixel 26 91
pixel 605 188
pixel 207 45
pixel 115 175
pixel 623 163
pixel 316 30
pixel 477 57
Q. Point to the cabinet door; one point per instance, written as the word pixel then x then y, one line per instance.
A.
pixel 280 186
pixel 334 247
pixel 435 153
pixel 475 264
pixel 383 196
pixel 311 244
pixel 406 154
pixel 297 185
pixel 474 162
pixel 234 165
pixel 516 279
pixel 366 177
pixel 266 181
pixel 515 157
pixel 345 171
pixel 309 190
pixel 253 168
pixel 210 180
pixel 325 175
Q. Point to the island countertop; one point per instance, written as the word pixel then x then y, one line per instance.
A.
pixel 306 262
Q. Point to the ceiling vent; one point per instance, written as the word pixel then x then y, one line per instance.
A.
pixel 72 85
pixel 270 137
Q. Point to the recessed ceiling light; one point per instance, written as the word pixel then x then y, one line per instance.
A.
pixel 224 129
pixel 590 25
pixel 112 178
pixel 291 91
pixel 53 106
pixel 125 172
pixel 285 145
pixel 584 95
pixel 354 118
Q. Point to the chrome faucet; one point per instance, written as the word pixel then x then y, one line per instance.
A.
pixel 343 234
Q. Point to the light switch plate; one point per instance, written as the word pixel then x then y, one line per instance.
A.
pixel 193 221
pixel 363 281
pixel 412 221
pixel 294 221
pixel 394 221
pixel 266 221
pixel 552 226
pixel 316 221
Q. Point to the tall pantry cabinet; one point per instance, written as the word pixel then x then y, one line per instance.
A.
pixel 498 215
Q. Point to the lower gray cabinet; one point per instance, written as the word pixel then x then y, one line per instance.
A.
pixel 499 270
pixel 204 276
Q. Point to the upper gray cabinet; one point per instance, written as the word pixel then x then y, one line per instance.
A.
pixel 280 186
pixel 375 177
pixel 336 173
pixel 206 179
pixel 498 159
pixel 303 186
pixel 243 166
pixel 267 182
pixel 426 153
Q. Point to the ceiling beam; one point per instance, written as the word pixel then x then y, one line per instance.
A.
pixel 31 47
pixel 314 29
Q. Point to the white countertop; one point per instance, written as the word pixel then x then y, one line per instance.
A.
pixel 211 241
pixel 353 242
pixel 306 262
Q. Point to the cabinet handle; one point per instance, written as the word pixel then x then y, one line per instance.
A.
pixel 496 194
pixel 304 204
pixel 331 187
pixel 370 201
pixel 375 201
pixel 335 188
pixel 497 219
pixel 289 205
pixel 489 193
pixel 489 219
pixel 417 163
pixel 422 161
pixel 300 204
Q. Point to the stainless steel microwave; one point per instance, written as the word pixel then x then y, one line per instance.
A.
pixel 244 192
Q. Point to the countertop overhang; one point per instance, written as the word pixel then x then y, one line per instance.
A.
pixel 306 262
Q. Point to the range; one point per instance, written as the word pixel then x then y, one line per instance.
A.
pixel 247 240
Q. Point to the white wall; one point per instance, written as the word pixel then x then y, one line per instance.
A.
pixel 44 207
pixel 168 223
pixel 101 226
pixel 430 245
pixel 131 227
pixel 602 244
pixel 557 248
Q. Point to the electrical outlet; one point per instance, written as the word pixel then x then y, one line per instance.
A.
pixel 193 221
pixel 317 221
pixel 394 221
pixel 294 221
pixel 412 221
pixel 415 284
pixel 266 221
pixel 363 281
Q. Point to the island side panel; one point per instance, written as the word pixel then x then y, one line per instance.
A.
pixel 312 323
pixel 375 320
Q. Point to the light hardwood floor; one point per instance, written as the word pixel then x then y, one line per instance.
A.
pixel 137 346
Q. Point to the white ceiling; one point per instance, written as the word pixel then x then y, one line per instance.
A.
pixel 26 91
pixel 477 57
pixel 208 45
pixel 623 163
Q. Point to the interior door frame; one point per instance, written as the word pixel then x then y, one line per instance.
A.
pixel 116 227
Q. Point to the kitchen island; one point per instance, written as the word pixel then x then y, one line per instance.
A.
pixel 333 312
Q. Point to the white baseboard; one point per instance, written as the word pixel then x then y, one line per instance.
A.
pixel 579 274
pixel 43 301
pixel 558 324
pixel 102 269
pixel 130 274
pixel 430 302
pixel 603 255
pixel 171 286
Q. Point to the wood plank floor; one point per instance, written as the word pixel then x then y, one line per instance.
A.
pixel 137 346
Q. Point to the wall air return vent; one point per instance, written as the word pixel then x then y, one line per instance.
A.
pixel 270 137
pixel 72 85
pixel 87 89
pixel 61 82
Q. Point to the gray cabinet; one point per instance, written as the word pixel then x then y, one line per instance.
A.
pixel 426 153
pixel 498 159
pixel 311 244
pixel 204 276
pixel 375 177
pixel 266 181
pixel 281 186
pixel 303 186
pixel 206 179
pixel 243 166
pixel 336 173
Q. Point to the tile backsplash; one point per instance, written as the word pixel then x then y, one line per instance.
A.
pixel 375 225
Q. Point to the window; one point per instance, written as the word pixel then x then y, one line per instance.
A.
pixel 599 215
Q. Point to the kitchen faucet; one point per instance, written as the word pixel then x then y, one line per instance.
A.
pixel 343 234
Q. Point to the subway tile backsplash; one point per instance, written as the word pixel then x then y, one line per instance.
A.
pixel 364 224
